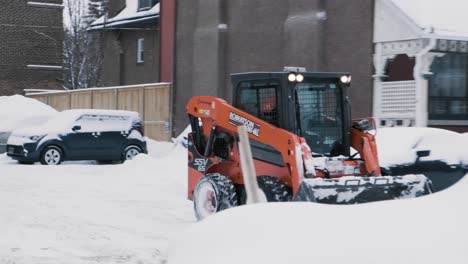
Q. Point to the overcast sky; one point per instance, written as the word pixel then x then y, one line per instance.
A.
pixel 451 15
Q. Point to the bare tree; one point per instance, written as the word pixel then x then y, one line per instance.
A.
pixel 82 50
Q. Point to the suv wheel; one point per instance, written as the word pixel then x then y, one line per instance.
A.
pixel 130 152
pixel 51 155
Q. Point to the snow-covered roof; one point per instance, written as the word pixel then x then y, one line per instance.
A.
pixel 129 15
pixel 444 18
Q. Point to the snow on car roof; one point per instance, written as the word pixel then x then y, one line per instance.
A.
pixel 129 14
pixel 62 121
pixel 77 112
pixel 445 17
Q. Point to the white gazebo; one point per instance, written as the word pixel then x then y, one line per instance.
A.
pixel 421 63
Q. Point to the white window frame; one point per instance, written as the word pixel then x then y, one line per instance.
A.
pixel 140 50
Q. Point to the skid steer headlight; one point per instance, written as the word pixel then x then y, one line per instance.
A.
pixel 292 77
pixel 299 77
pixel 345 79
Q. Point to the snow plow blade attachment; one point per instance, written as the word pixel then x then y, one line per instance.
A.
pixel 355 190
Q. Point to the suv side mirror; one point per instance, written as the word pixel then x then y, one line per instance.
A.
pixel 76 128
pixel 422 154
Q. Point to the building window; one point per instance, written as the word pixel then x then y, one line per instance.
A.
pixel 145 4
pixel 140 50
pixel 448 88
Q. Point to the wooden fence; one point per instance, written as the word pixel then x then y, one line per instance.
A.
pixel 152 101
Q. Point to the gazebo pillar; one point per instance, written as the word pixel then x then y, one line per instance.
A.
pixel 421 73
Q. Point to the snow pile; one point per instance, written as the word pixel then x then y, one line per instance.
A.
pixel 159 149
pixel 397 146
pixel 129 14
pixel 18 111
pixel 84 213
pixel 446 17
pixel 431 230
pixel 183 137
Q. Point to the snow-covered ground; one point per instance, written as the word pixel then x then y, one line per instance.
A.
pixel 80 212
pixel 428 230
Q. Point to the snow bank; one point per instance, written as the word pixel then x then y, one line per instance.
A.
pixel 159 149
pixel 430 230
pixel 398 146
pixel 18 111
pixel 182 138
pixel 84 213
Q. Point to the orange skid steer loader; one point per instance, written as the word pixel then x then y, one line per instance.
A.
pixel 301 136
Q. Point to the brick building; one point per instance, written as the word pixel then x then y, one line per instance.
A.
pixel 215 38
pixel 198 44
pixel 204 41
pixel 31 43
pixel 131 42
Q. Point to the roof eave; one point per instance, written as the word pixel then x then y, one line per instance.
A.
pixel 114 25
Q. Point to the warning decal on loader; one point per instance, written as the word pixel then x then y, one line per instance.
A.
pixel 237 120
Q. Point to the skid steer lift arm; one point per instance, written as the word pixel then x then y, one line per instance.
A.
pixel 364 143
pixel 211 116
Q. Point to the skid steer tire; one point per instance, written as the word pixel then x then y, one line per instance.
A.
pixel 274 189
pixel 213 193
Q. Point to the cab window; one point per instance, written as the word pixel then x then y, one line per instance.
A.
pixel 259 98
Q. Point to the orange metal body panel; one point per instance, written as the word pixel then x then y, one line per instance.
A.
pixel 215 112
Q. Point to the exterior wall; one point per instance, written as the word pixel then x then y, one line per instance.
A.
pixel 349 48
pixel 120 65
pixel 217 37
pixel 29 35
pixel 405 52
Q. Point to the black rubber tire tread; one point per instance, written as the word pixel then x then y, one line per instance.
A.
pixel 274 189
pixel 225 192
pixel 42 158
pixel 127 148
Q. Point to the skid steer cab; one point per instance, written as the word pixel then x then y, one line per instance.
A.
pixel 301 134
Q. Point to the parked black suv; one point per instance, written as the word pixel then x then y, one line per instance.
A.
pixel 104 135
